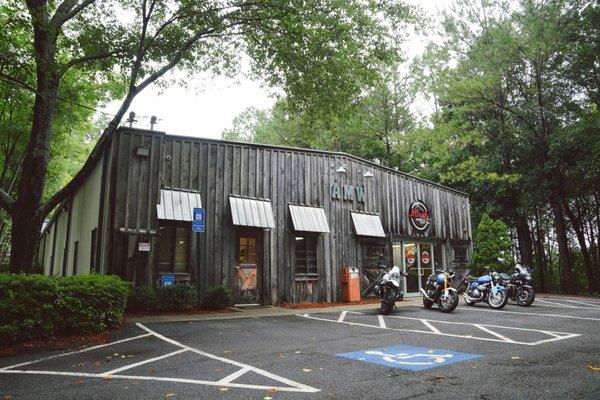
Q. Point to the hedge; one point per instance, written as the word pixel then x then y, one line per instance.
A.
pixel 177 298
pixel 38 306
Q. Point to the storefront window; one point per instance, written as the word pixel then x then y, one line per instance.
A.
pixel 306 255
pixel 173 248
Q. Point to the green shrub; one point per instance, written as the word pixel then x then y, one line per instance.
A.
pixel 217 297
pixel 34 306
pixel 176 298
pixel 142 299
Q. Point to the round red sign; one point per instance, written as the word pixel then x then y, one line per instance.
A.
pixel 425 257
pixel 419 215
pixel 410 257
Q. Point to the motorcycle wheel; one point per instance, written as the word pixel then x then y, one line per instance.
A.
pixel 499 300
pixel 450 303
pixel 525 296
pixel 388 302
pixel 427 303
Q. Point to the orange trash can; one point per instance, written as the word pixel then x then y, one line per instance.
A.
pixel 350 284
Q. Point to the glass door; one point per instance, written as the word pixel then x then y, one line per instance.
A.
pixel 411 266
pixel 247 268
pixel 426 262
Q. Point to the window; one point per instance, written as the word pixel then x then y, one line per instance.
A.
pixel 460 253
pixel 306 255
pixel 173 248
pixel 75 252
pixel 92 251
pixel 247 250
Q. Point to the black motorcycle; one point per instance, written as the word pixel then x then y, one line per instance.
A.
pixel 440 290
pixel 519 285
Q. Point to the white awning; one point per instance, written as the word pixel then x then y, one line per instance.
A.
pixel 367 224
pixel 177 205
pixel 251 212
pixel 309 219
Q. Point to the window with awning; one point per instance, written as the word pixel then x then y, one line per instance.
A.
pixel 177 205
pixel 366 224
pixel 251 212
pixel 309 219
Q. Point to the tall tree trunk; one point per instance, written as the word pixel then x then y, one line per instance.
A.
pixel 567 284
pixel 27 216
pixel 587 261
pixel 539 254
pixel 524 240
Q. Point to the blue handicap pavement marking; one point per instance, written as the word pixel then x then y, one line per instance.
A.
pixel 409 357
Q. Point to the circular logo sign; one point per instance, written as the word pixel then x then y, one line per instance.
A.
pixel 410 257
pixel 425 257
pixel 419 215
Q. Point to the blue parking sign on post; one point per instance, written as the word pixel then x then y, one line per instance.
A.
pixel 167 280
pixel 198 220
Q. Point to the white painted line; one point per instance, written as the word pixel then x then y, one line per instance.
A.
pixel 433 328
pixel 554 338
pixel 234 376
pixel 491 332
pixel 583 302
pixel 556 304
pixel 137 364
pixel 381 321
pixel 298 386
pixel 342 316
pixel 161 379
pixel 76 352
pixel 528 313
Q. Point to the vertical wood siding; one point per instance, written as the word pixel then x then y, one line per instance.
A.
pixel 217 169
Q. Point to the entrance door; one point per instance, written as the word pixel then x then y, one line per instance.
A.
pixel 247 269
pixel 418 261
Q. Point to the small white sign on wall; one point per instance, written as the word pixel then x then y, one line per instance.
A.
pixel 143 246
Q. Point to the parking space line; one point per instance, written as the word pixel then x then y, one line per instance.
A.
pixel 294 386
pixel 230 378
pixel 75 352
pixel 556 304
pixel 528 313
pixel 433 328
pixel 584 303
pixel 137 364
pixel 491 332
pixel 342 316
pixel 381 321
pixel 436 331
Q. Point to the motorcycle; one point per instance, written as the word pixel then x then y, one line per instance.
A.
pixel 519 285
pixel 387 287
pixel 486 288
pixel 439 289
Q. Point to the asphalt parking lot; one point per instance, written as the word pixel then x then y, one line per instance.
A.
pixel 549 350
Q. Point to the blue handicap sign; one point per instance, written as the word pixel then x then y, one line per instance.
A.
pixel 410 358
pixel 198 220
pixel 167 280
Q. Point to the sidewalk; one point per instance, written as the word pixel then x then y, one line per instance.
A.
pixel 262 312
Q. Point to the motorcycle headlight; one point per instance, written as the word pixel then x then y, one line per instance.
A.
pixel 395 276
pixel 527 276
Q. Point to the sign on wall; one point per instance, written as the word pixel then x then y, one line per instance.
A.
pixel 347 192
pixel 198 220
pixel 419 216
pixel 143 246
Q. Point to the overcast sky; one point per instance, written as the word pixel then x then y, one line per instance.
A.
pixel 209 105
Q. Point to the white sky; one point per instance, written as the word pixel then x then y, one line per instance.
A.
pixel 209 105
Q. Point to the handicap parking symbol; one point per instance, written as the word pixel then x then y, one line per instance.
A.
pixel 410 358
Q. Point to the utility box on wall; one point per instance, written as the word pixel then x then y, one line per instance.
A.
pixel 350 284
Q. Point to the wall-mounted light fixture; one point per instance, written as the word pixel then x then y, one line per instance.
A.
pixel 341 170
pixel 368 175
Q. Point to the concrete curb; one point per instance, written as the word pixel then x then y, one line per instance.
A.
pixel 263 312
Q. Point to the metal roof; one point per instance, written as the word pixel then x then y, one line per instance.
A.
pixel 309 219
pixel 247 211
pixel 367 224
pixel 177 205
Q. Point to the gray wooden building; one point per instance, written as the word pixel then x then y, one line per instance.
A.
pixel 280 222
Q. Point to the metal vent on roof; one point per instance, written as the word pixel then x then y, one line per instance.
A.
pixel 251 212
pixel 177 205
pixel 309 219
pixel 367 224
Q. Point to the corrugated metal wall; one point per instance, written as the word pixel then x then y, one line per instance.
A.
pixel 217 169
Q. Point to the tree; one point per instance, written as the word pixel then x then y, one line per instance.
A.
pixel 321 52
pixel 492 244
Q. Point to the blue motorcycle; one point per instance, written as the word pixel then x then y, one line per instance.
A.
pixel 486 288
